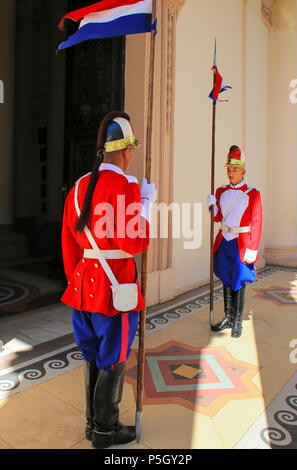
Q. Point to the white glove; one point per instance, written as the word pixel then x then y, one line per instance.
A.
pixel 250 256
pixel 148 191
pixel 211 200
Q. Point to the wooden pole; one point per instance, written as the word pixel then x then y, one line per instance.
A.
pixel 213 153
pixel 144 269
pixel 212 216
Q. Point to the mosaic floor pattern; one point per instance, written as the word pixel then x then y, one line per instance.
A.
pixel 202 379
pixel 21 291
pixel 15 379
pixel 277 426
pixel 193 377
pixel 279 296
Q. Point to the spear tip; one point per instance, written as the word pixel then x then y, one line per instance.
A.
pixel 138 425
pixel 215 54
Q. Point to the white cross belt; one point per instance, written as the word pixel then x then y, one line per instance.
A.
pixel 108 254
pixel 224 228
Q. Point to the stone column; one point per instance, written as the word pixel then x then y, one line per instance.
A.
pixel 281 245
pixel 161 278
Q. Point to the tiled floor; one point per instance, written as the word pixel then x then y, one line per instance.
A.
pixel 203 390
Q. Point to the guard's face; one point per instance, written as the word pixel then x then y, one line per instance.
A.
pixel 235 174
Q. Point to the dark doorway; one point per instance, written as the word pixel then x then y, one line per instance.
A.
pixel 95 77
pixel 60 101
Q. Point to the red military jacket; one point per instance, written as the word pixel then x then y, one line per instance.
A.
pixel 115 223
pixel 247 212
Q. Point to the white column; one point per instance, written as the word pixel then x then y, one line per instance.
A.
pixel 282 163
pixel 7 58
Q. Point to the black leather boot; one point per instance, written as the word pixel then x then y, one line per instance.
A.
pixel 108 430
pixel 91 374
pixel 227 322
pixel 238 306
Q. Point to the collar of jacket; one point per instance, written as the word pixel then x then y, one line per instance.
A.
pixel 111 167
pixel 237 186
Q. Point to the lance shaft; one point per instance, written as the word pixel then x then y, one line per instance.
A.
pixel 213 152
pixel 144 268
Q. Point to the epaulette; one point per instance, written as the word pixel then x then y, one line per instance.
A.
pixel 252 187
pixel 131 179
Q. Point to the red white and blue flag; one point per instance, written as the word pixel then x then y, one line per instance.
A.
pixel 110 18
pixel 219 86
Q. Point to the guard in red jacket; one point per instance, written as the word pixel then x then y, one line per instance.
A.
pixel 238 207
pixel 117 213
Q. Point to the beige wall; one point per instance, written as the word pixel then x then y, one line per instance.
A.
pixel 255 118
pixel 242 55
pixel 282 165
pixel 258 61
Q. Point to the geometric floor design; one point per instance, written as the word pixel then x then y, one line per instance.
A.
pixel 25 375
pixel 200 379
pixel 203 390
pixel 279 296
pixel 17 296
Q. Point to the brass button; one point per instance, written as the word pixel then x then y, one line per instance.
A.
pixel 96 266
pixel 92 280
pixel 91 295
pixel 78 274
pixel 76 290
pixel 83 260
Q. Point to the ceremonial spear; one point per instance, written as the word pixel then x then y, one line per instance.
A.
pixel 213 152
pixel 144 269
pixel 218 87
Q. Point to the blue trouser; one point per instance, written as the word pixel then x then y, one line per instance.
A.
pixel 229 268
pixel 106 340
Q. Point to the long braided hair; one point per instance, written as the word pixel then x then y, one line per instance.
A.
pixel 85 212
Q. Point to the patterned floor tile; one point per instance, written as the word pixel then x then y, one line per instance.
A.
pixel 22 376
pixel 279 296
pixel 202 379
pixel 276 428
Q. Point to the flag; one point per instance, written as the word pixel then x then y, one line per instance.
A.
pixel 219 86
pixel 110 18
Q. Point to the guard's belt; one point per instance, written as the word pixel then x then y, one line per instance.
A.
pixel 108 254
pixel 224 228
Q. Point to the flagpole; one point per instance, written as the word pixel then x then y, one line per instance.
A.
pixel 144 269
pixel 213 151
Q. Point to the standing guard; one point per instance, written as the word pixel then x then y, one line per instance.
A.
pixel 238 207
pixel 106 215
